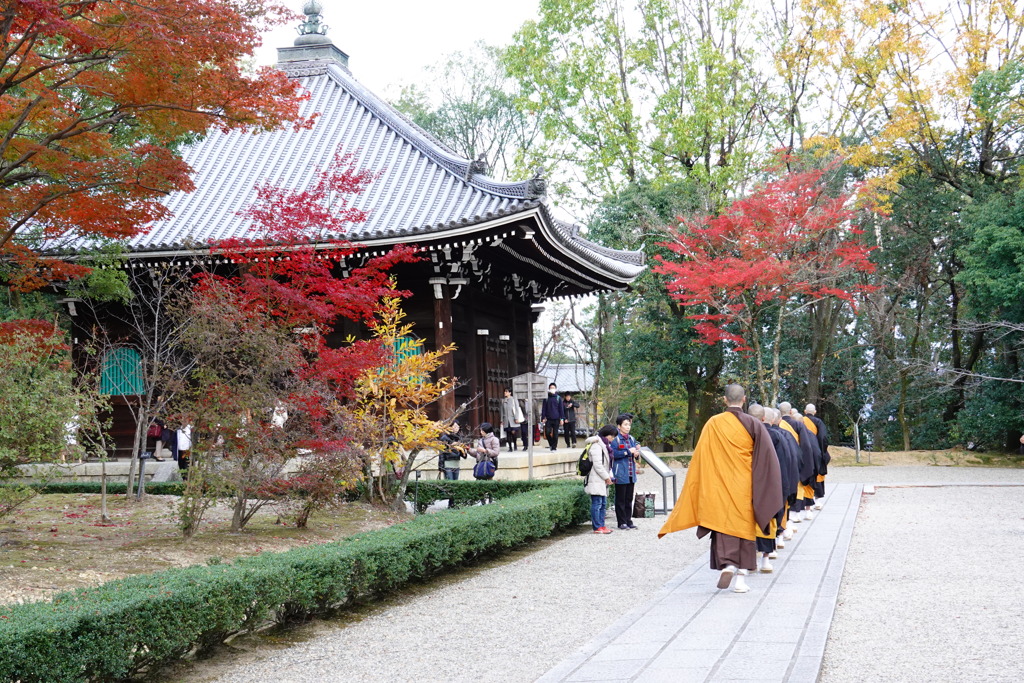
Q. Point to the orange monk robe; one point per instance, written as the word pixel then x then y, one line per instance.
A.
pixel 733 485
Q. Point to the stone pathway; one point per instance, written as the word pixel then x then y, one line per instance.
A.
pixel 691 631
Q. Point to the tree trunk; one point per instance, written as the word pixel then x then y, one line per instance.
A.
pixel 755 339
pixel 776 351
pixel 104 517
pixel 236 516
pixel 902 410
pixel 824 319
pixel 692 405
pixel 140 434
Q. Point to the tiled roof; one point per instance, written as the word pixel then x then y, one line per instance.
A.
pixel 571 377
pixel 423 187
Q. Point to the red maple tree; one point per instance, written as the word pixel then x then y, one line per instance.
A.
pixel 290 271
pixel 96 99
pixel 261 336
pixel 789 244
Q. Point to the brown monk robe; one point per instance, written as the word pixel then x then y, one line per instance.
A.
pixel 732 488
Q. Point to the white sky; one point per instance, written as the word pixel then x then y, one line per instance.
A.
pixel 389 42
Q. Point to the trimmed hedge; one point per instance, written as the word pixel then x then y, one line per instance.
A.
pixel 159 488
pixel 470 491
pixel 123 627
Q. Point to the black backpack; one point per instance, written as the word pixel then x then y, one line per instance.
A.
pixel 584 464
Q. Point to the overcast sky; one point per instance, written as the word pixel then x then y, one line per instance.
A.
pixel 389 42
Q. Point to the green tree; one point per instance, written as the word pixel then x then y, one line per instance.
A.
pixel 674 97
pixel 43 404
pixel 472 107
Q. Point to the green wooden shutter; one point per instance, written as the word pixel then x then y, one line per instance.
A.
pixel 122 373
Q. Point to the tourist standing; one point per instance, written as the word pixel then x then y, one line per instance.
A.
pixel 599 478
pixel 732 487
pixel 512 420
pixel 625 453
pixel 486 449
pixel 552 416
pixel 451 453
pixel 570 407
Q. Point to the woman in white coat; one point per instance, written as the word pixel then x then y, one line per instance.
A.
pixel 597 480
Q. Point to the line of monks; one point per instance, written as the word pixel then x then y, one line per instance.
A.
pixel 753 478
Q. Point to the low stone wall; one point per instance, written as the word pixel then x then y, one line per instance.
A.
pixel 93 471
pixel 511 467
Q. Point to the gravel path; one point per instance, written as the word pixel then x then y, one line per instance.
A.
pixel 873 474
pixel 510 620
pixel 926 608
pixel 931 592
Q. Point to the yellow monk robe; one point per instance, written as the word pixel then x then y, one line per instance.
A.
pixel 773 531
pixel 789 428
pixel 800 488
pixel 813 428
pixel 718 493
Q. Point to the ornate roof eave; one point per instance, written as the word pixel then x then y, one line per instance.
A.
pixel 572 253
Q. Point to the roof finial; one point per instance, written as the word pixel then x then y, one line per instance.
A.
pixel 311 31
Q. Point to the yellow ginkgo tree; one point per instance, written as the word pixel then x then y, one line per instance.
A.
pixel 391 405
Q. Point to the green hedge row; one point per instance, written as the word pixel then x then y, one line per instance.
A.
pixel 425 492
pixel 124 627
pixel 470 492
pixel 159 488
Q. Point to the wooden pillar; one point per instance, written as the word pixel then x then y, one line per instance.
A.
pixel 443 336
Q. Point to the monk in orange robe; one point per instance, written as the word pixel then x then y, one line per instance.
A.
pixel 733 488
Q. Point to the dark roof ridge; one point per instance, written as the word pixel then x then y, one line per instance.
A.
pixel 426 143
pixel 571 231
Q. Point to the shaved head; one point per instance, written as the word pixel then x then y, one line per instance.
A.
pixel 734 395
pixel 810 409
pixel 775 417
pixel 755 410
pixel 785 407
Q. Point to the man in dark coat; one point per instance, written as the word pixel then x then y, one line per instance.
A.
pixel 552 415
pixel 570 420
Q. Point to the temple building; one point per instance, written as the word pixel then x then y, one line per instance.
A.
pixel 493 251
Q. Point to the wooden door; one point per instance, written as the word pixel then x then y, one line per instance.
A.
pixel 497 355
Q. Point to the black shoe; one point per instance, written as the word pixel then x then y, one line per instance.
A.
pixel 623 527
pixel 631 526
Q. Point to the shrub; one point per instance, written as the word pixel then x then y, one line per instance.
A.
pixel 469 492
pixel 160 488
pixel 123 627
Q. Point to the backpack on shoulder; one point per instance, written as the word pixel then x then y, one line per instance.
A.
pixel 584 465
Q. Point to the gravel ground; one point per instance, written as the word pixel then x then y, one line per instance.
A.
pixel 509 620
pixel 936 611
pixel 916 474
pixel 930 592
